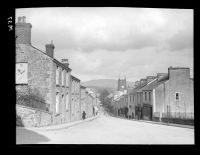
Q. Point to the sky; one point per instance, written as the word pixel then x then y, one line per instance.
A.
pixel 108 43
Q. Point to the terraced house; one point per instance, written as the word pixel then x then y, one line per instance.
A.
pixel 75 101
pixel 46 91
pixel 165 97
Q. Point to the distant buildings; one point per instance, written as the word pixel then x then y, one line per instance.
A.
pixel 46 91
pixel 122 85
pixel 167 95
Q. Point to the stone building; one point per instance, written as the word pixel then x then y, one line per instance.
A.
pixel 75 99
pixel 165 95
pixel 172 95
pixel 83 98
pixel 46 91
pixel 89 104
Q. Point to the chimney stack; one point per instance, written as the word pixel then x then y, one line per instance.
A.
pixel 50 49
pixel 150 78
pixel 175 72
pixel 24 19
pixel 23 31
pixel 65 62
pixel 159 75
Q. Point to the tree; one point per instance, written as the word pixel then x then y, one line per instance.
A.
pixel 103 94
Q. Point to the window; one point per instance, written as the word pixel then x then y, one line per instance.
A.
pixel 57 75
pixel 72 86
pixel 72 105
pixel 78 87
pixel 149 96
pixel 145 96
pixel 177 96
pixel 67 78
pixel 62 99
pixel 75 86
pixel 63 78
pixel 57 102
pixel 66 101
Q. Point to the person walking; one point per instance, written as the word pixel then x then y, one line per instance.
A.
pixel 83 115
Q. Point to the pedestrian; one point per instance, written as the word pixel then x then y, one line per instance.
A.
pixel 93 111
pixel 83 115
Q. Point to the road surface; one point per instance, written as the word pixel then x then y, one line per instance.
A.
pixel 108 130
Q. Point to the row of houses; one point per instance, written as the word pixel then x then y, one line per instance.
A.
pixel 166 95
pixel 46 91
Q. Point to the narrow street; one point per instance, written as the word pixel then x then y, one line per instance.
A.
pixel 108 130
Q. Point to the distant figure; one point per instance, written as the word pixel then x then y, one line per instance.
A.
pixel 93 111
pixel 83 115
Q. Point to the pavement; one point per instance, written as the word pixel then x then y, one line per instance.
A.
pixel 105 129
pixel 59 126
pixel 160 123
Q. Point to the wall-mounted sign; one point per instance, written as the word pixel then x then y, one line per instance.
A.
pixel 21 73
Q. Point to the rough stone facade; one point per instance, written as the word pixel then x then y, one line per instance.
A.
pixel 75 99
pixel 51 95
pixel 40 74
pixel 63 89
pixel 89 105
pixel 31 117
pixel 83 101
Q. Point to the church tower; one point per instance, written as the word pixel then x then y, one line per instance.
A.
pixel 121 84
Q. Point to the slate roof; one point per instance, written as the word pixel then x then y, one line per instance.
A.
pixel 55 60
pixel 134 91
pixel 151 85
pixel 155 83
pixel 75 78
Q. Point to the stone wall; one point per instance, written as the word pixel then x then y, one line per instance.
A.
pixel 40 74
pixel 30 117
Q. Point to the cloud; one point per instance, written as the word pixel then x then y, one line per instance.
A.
pixel 108 42
pixel 118 30
pixel 181 40
pixel 132 63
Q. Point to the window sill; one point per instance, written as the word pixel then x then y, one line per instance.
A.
pixel 57 114
pixel 24 84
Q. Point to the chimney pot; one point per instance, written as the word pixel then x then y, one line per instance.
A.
pixel 24 19
pixel 19 19
pixel 65 60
